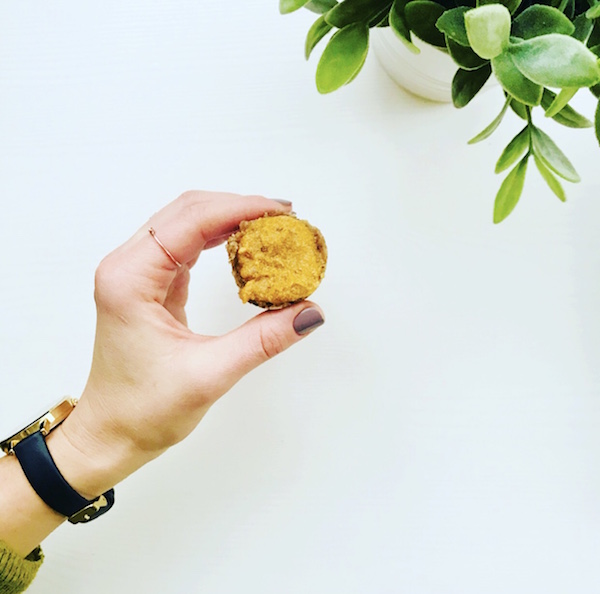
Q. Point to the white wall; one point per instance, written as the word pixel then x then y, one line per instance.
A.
pixel 438 435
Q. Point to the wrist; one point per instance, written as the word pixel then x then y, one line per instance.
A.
pixel 89 462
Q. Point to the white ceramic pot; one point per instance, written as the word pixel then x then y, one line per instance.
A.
pixel 427 74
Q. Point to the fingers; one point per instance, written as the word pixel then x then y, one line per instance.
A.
pixel 177 295
pixel 196 219
pixel 211 243
pixel 265 336
pixel 186 226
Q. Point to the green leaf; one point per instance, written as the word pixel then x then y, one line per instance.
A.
pixel 560 101
pixel 452 24
pixel 514 150
pixel 465 57
pixel 595 90
pixel 489 130
pixel 593 12
pixel 541 20
pixel 381 17
pixel 510 191
pixel 597 122
pixel 467 83
pixel 568 8
pixel 595 34
pixel 320 6
pixel 519 108
pixel 343 57
pixel 421 16
pixel 545 148
pixel 556 60
pixel 595 49
pixel 319 29
pixel 567 116
pixel 552 182
pixel 400 26
pixel 514 82
pixel 287 6
pixel 583 28
pixel 512 5
pixel 355 11
pixel 488 29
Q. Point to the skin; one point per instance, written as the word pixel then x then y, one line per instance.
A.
pixel 152 379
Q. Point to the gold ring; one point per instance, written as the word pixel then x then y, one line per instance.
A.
pixel 163 247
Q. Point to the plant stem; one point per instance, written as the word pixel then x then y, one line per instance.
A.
pixel 530 127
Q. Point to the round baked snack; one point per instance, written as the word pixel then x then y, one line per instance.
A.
pixel 277 260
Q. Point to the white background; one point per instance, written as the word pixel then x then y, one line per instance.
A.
pixel 439 435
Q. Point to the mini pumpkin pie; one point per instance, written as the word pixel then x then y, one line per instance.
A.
pixel 277 260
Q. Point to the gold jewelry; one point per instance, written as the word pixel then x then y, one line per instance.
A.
pixel 48 421
pixel 163 247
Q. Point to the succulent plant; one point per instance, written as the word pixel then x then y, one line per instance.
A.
pixel 541 53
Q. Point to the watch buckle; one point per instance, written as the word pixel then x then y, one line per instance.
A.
pixel 89 511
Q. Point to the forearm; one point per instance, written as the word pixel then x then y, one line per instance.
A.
pixel 25 520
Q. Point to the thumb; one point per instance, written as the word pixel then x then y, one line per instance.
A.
pixel 265 336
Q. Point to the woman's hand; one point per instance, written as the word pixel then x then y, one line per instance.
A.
pixel 152 379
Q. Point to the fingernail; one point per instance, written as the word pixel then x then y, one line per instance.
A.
pixel 307 320
pixel 283 202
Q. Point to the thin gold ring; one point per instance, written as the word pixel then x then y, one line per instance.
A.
pixel 164 248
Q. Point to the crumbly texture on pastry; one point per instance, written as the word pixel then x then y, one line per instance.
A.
pixel 277 260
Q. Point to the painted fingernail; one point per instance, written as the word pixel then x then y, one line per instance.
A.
pixel 283 202
pixel 308 320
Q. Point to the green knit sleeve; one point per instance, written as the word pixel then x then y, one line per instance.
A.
pixel 16 572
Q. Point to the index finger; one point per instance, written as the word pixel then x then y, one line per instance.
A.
pixel 194 219
pixel 185 227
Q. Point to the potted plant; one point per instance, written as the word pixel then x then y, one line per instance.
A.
pixel 541 53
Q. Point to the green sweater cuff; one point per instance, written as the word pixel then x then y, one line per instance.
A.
pixel 16 572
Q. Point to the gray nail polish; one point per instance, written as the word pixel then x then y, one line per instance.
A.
pixel 307 320
pixel 283 202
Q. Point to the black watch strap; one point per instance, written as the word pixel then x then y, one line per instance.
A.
pixel 47 481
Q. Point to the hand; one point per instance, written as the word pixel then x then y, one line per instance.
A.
pixel 152 379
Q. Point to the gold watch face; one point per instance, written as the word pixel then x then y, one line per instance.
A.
pixel 48 421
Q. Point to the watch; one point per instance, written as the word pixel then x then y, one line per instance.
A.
pixel 29 446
